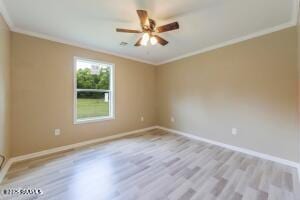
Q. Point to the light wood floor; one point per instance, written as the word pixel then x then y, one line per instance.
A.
pixel 153 165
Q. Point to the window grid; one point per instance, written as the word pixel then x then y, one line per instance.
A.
pixel 110 93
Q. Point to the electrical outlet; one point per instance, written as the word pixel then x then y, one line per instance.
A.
pixel 142 119
pixel 234 131
pixel 56 132
pixel 172 119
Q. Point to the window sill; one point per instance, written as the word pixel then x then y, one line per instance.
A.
pixel 93 120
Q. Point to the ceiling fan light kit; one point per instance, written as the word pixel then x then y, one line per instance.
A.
pixel 150 30
pixel 153 40
pixel 145 39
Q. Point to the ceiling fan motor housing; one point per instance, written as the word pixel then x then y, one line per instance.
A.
pixel 152 25
pixel 149 28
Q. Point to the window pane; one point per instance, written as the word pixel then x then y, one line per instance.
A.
pixel 92 104
pixel 92 75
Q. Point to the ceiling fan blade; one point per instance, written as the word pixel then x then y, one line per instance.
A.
pixel 138 43
pixel 168 27
pixel 127 30
pixel 143 15
pixel 161 41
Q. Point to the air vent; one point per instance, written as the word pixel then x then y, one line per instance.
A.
pixel 123 44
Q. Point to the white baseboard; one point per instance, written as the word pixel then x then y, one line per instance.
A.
pixel 5 169
pixel 120 135
pixel 239 149
pixel 298 168
pixel 67 147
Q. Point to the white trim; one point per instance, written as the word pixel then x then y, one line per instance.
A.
pixel 92 120
pixel 5 169
pixel 298 169
pixel 207 49
pixel 120 135
pixel 295 12
pixel 4 13
pixel 231 42
pixel 77 44
pixel 234 148
pixel 92 90
pixel 292 22
pixel 67 147
pixel 111 92
pixel 76 145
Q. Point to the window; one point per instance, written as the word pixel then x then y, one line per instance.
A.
pixel 93 91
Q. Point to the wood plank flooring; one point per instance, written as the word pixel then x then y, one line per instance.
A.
pixel 150 166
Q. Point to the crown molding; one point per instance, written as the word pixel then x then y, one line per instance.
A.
pixel 291 23
pixel 77 44
pixel 231 42
pixel 12 27
pixel 5 14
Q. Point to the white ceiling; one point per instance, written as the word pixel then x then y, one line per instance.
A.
pixel 204 24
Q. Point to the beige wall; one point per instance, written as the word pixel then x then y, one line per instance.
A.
pixel 42 95
pixel 298 55
pixel 4 87
pixel 251 86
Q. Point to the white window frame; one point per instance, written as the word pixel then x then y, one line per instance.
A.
pixel 111 91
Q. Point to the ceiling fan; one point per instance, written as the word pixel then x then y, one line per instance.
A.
pixel 150 30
